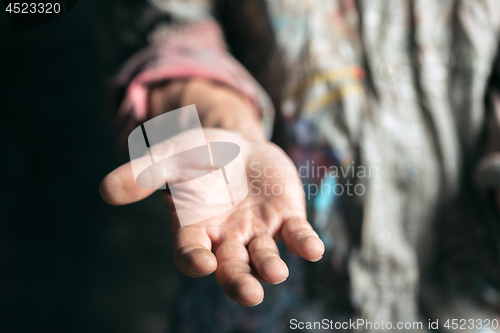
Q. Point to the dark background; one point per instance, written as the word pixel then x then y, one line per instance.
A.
pixel 68 261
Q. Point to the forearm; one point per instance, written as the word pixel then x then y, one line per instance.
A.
pixel 218 106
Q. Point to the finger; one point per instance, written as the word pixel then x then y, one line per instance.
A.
pixel 173 161
pixel 266 261
pixel 192 252
pixel 301 239
pixel 235 275
pixel 119 187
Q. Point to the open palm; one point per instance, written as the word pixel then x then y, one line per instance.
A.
pixel 239 245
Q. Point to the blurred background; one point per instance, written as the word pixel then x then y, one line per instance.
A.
pixel 68 261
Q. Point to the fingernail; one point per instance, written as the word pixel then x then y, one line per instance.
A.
pixel 200 274
pixel 316 260
pixel 262 300
pixel 281 281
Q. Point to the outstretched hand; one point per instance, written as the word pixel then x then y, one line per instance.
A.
pixel 242 247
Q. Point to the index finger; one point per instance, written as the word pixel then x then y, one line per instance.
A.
pixel 192 251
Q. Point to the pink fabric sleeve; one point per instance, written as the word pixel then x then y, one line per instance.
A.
pixel 190 50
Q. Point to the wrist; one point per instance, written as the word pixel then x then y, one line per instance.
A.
pixel 218 106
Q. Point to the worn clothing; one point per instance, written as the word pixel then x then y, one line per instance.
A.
pixel 400 97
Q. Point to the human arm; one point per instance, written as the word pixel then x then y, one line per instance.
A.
pixel 232 108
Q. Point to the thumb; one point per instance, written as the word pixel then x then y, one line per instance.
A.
pixel 139 178
pixel 119 187
pixel 122 186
